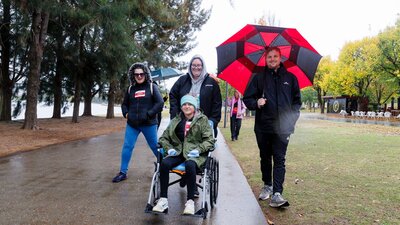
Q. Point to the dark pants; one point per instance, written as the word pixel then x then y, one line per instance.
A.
pixel 170 162
pixel 272 153
pixel 235 127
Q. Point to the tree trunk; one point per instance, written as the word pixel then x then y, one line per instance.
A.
pixel 111 97
pixel 77 98
pixel 88 96
pixel 1 99
pixel 320 101
pixel 57 93
pixel 6 96
pixel 58 77
pixel 392 103
pixel 39 29
pixel 398 103
pixel 78 75
pixel 6 85
pixel 87 110
pixel 398 99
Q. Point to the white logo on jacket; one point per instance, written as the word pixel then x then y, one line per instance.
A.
pixel 140 94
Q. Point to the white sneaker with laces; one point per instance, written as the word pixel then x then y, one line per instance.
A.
pixel 277 201
pixel 161 206
pixel 189 207
pixel 265 193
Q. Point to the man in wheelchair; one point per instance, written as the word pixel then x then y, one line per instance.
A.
pixel 188 139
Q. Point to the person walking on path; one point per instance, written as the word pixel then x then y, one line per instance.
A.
pixel 142 102
pixel 275 95
pixel 198 83
pixel 238 109
pixel 188 139
pixel 159 115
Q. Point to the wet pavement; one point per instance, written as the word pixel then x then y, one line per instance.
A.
pixel 71 184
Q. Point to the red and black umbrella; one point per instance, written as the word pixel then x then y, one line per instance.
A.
pixel 243 54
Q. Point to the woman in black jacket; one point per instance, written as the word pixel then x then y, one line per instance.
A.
pixel 142 103
pixel 197 82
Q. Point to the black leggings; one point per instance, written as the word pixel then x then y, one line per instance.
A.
pixel 170 162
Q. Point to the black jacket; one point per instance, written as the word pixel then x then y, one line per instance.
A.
pixel 141 105
pixel 210 97
pixel 282 109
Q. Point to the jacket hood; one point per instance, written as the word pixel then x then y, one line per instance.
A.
pixel 203 72
pixel 145 69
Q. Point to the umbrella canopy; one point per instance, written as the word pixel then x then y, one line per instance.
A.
pixel 165 73
pixel 243 54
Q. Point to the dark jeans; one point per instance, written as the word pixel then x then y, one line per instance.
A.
pixel 235 126
pixel 170 162
pixel 272 153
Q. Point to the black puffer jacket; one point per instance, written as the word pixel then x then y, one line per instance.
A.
pixel 210 97
pixel 282 109
pixel 141 105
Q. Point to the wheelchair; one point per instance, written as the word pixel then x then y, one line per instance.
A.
pixel 208 183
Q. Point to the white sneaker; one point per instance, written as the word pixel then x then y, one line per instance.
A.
pixel 161 206
pixel 189 207
pixel 277 201
pixel 265 193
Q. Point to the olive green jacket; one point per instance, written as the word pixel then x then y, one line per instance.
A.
pixel 199 137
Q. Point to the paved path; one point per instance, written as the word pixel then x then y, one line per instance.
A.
pixel 71 184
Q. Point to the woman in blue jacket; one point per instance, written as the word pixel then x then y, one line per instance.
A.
pixel 142 103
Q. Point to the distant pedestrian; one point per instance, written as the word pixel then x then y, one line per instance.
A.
pixel 159 115
pixel 275 95
pixel 142 102
pixel 238 109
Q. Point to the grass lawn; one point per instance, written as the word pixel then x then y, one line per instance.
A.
pixel 336 172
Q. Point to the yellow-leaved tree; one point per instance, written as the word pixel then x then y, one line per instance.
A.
pixel 321 79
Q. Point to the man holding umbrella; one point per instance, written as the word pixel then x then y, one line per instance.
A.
pixel 275 95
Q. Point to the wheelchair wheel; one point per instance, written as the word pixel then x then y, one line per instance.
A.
pixel 156 188
pixel 215 178
pixel 211 182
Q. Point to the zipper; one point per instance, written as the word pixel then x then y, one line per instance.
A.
pixel 277 98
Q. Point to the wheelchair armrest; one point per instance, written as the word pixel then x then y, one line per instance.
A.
pixel 160 152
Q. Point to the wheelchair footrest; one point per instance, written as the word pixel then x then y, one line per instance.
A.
pixel 180 172
pixel 148 209
pixel 201 213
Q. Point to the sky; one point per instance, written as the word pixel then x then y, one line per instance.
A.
pixel 326 24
